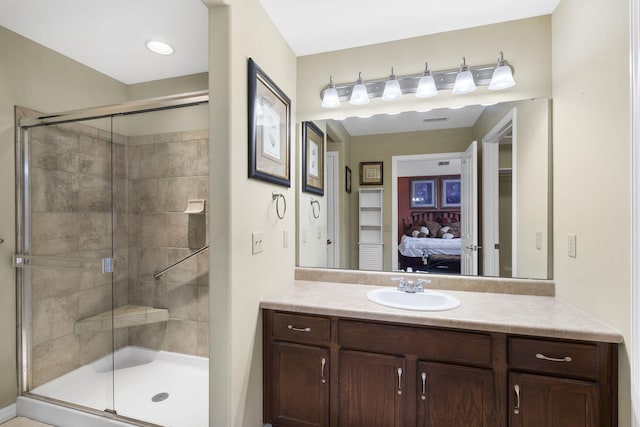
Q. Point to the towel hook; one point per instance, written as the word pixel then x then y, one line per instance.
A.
pixel 315 203
pixel 277 196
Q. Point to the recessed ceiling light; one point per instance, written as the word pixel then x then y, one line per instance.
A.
pixel 160 47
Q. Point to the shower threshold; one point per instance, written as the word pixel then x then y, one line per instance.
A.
pixel 158 387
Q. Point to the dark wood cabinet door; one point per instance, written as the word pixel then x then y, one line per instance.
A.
pixel 300 392
pixel 455 396
pixel 371 390
pixel 539 401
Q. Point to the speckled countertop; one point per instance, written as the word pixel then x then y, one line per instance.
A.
pixel 543 316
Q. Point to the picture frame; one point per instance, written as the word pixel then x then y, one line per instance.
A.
pixel 424 193
pixel 370 173
pixel 269 128
pixel 347 179
pixel 451 192
pixel 312 159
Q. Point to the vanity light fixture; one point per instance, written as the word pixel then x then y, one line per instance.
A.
pixel 359 96
pixel 502 77
pixel 464 80
pixel 461 80
pixel 330 98
pixel 392 91
pixel 160 47
pixel 426 85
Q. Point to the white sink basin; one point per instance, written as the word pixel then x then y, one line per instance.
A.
pixel 420 301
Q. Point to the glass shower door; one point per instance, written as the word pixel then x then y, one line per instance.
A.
pixel 65 259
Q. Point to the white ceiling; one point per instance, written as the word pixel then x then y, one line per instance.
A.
pixel 109 36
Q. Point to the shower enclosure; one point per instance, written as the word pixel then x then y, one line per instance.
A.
pixel 112 270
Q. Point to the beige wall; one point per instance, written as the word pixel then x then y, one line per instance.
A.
pixel 311 231
pixel 591 173
pixel 240 206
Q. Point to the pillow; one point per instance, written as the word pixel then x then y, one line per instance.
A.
pixel 433 227
pixel 415 233
pixel 447 236
pixel 424 230
pixel 453 229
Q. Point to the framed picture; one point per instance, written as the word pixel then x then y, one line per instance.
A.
pixel 347 179
pixel 269 129
pixel 450 192
pixel 423 194
pixel 312 159
pixel 370 173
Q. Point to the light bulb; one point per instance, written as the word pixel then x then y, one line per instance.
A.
pixel 464 80
pixel 426 85
pixel 392 90
pixel 502 76
pixel 330 99
pixel 359 95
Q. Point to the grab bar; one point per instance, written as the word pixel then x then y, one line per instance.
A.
pixel 157 274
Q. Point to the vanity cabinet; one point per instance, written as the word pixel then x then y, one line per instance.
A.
pixel 344 372
pixel 554 383
pixel 297 362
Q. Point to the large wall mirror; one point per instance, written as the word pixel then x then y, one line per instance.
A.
pixel 461 191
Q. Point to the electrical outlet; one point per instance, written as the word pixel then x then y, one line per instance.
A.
pixel 257 242
pixel 319 232
pixel 572 245
pixel 285 238
pixel 539 240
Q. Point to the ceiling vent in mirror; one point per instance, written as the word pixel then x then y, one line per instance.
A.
pixel 443 163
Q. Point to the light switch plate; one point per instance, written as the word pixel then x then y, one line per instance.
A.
pixel 257 242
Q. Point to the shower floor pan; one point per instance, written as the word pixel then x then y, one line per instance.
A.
pixel 159 387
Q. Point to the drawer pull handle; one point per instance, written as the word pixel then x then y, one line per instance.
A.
pixel 424 386
pixel 399 380
pixel 324 362
pixel 516 388
pixel 293 328
pixel 553 359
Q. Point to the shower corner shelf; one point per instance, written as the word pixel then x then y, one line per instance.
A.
pixel 121 317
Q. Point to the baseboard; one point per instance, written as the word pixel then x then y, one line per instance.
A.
pixel 8 413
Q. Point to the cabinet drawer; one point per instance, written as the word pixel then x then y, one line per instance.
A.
pixel 299 328
pixel 564 358
pixel 430 344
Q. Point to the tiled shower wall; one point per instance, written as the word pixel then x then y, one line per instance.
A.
pixel 70 173
pixel 153 177
pixel 165 171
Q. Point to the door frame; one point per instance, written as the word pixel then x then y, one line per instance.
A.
pixel 490 196
pixel 333 215
pixel 396 172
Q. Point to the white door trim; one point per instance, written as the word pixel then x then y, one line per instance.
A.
pixel 490 198
pixel 634 35
pixel 333 208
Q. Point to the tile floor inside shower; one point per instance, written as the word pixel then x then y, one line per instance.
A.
pixel 159 387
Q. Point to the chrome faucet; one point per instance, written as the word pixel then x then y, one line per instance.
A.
pixel 410 286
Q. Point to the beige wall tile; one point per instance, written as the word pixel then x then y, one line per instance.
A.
pixel 182 301
pixel 54 358
pixel 154 230
pixel 182 336
pixel 183 159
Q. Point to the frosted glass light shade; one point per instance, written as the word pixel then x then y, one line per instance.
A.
pixel 502 78
pixel 464 83
pixel 392 91
pixel 330 98
pixel 426 87
pixel 359 95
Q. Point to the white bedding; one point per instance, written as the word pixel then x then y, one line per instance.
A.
pixel 421 246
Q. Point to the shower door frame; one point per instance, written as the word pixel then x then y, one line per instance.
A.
pixel 22 206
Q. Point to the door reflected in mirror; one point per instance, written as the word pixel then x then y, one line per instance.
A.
pixel 464 191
